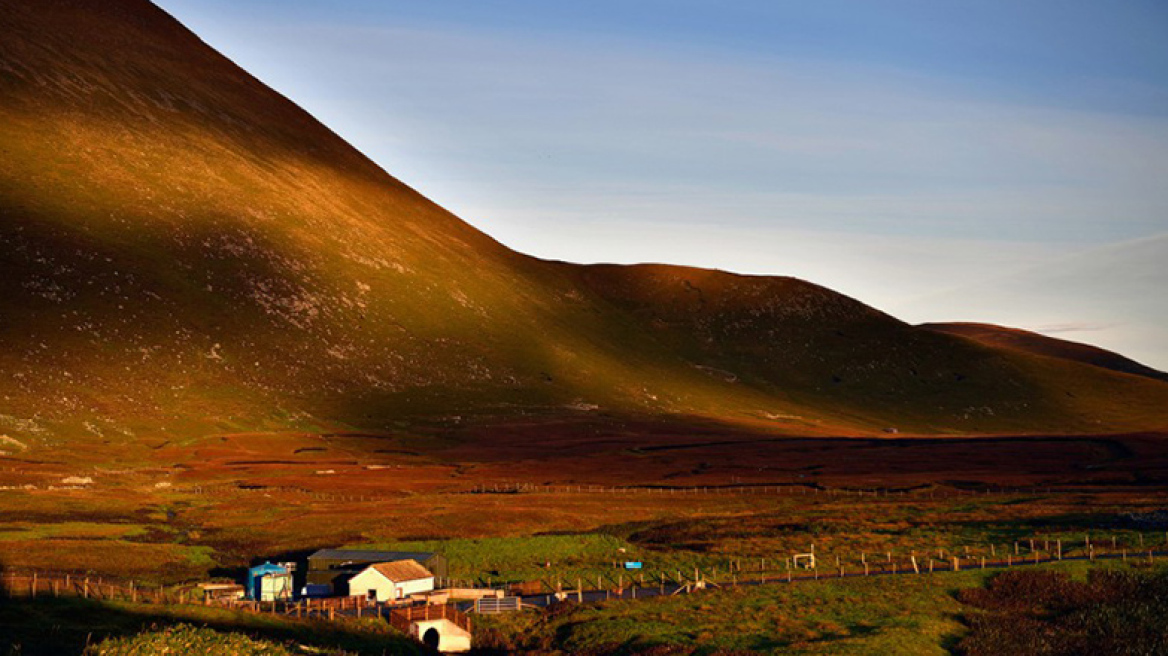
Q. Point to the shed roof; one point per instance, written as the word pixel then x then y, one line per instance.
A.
pixel 365 556
pixel 401 570
pixel 266 568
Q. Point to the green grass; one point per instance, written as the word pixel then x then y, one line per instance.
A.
pixel 522 558
pixel 69 530
pixel 748 542
pixel 572 557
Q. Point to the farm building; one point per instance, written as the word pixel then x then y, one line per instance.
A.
pixel 334 567
pixel 218 592
pixel 269 582
pixel 391 581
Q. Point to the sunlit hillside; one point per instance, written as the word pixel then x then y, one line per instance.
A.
pixel 186 252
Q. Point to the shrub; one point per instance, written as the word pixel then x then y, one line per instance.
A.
pixel 186 639
pixel 1046 613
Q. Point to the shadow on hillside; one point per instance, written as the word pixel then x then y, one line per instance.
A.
pixel 63 626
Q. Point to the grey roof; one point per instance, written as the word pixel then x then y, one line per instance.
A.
pixel 359 555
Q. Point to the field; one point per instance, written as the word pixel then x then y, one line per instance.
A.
pixel 901 615
pixel 564 513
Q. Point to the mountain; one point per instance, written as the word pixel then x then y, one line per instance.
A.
pixel 1028 342
pixel 186 253
pixel 1110 295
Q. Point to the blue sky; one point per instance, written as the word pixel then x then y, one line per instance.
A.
pixel 930 157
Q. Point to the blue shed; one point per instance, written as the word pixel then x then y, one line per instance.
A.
pixel 268 582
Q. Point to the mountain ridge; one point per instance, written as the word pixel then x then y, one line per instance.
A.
pixel 1039 344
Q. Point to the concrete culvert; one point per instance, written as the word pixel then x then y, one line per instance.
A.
pixel 431 638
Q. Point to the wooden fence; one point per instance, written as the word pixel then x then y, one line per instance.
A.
pixel 401 618
pixel 50 584
pixel 809 490
pixel 790 490
pixel 619 583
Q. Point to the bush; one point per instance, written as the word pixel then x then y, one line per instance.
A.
pixel 1046 613
pixel 186 639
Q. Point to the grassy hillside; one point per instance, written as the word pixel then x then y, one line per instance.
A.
pixel 186 252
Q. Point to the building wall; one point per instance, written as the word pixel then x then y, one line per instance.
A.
pixel 436 564
pixel 387 590
pixel 414 587
pixel 362 583
pixel 275 586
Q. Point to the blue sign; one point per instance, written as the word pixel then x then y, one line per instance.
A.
pixel 633 564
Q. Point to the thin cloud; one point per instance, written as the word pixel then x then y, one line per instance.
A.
pixel 1083 327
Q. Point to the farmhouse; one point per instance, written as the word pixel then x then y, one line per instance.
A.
pixel 391 581
pixel 334 567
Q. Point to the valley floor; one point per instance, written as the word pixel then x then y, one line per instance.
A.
pixel 572 509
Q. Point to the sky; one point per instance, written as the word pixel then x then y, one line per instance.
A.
pixel 943 160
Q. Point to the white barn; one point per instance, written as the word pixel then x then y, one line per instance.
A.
pixel 391 581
